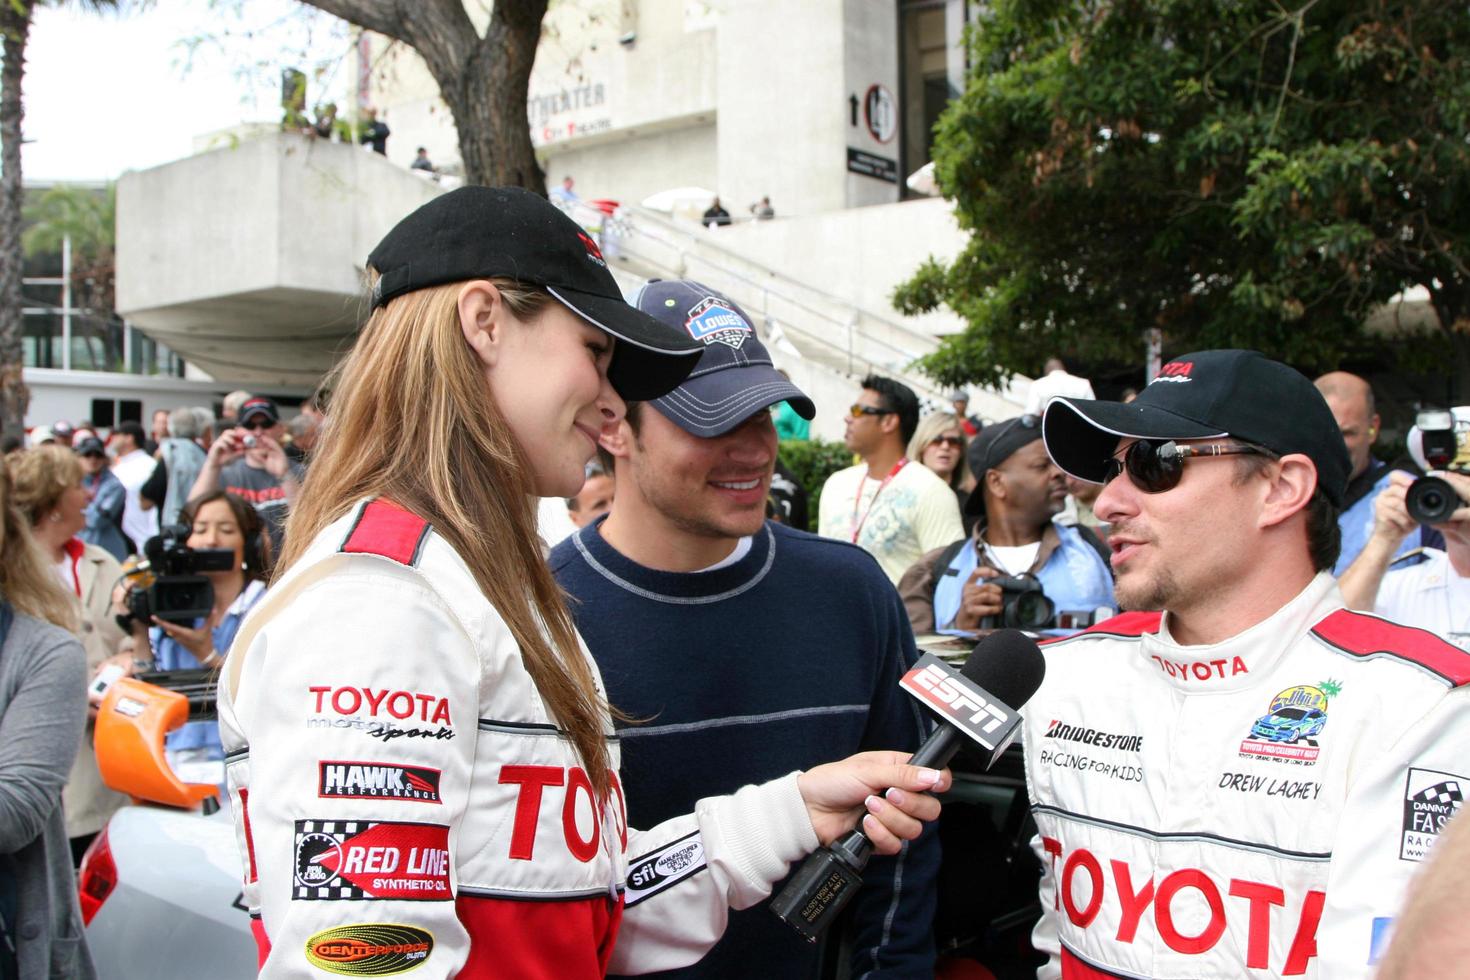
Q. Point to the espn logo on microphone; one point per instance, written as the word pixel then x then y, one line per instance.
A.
pixel 964 704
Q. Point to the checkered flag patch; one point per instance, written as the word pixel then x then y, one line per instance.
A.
pixel 315 839
pixel 1447 793
pixel 343 828
pixel 332 892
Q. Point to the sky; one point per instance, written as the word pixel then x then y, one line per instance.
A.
pixel 106 93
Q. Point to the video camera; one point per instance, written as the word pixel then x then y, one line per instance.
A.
pixel 169 583
pixel 1439 440
pixel 1024 606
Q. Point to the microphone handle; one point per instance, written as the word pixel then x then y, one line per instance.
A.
pixel 938 748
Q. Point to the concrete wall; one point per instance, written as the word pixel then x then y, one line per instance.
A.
pixel 770 79
pixel 629 170
pixel 859 254
pixel 284 211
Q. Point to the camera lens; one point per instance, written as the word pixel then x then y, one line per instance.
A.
pixel 1033 611
pixel 1431 500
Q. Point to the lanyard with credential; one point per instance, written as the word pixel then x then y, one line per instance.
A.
pixel 857 524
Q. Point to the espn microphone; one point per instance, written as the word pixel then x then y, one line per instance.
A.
pixel 976 702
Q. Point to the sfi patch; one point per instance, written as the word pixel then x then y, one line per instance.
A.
pixel 712 322
pixel 664 868
pixel 355 860
pixel 377 781
pixel 1431 798
pixel 370 949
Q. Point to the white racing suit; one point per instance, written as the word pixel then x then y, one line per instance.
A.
pixel 403 800
pixel 1250 808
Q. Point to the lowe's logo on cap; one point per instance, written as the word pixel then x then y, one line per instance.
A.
pixel 713 322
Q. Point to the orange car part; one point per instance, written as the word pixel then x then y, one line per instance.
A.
pixel 128 738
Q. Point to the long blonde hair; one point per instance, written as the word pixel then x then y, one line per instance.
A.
pixel 26 579
pixel 413 421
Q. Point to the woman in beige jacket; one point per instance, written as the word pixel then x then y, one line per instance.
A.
pixel 47 484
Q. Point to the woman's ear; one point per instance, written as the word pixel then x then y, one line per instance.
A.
pixel 480 313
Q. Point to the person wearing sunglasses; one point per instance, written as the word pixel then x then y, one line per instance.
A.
pixel 249 462
pixel 891 509
pixel 939 443
pixel 1018 492
pixel 1238 776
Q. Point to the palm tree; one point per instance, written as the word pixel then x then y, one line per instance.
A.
pixel 86 217
pixel 15 27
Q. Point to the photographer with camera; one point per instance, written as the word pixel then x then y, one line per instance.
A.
pixel 202 587
pixel 1426 587
pixel 1020 568
pixel 249 462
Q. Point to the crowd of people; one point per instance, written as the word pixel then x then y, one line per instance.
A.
pixel 84 512
pixel 1247 742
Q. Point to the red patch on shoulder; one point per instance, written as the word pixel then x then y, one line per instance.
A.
pixel 389 531
pixel 1361 635
pixel 1123 624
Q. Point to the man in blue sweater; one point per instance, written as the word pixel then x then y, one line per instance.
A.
pixel 743 648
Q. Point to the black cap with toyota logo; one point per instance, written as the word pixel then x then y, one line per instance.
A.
pixel 1206 395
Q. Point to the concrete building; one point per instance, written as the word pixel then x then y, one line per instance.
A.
pixel 247 259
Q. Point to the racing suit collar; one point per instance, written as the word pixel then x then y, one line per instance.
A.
pixel 1249 656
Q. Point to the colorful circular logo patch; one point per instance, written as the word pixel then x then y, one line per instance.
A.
pixel 370 949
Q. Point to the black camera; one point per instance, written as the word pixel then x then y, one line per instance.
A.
pixel 170 583
pixel 1431 500
pixel 1024 606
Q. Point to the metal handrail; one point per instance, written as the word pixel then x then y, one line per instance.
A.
pixel 630 234
pixel 644 214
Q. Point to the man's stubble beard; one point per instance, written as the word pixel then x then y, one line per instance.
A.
pixel 667 503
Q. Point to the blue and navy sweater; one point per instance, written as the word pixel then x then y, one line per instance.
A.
pixel 784 660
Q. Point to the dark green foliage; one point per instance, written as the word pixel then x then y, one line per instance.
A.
pixel 813 460
pixel 1233 172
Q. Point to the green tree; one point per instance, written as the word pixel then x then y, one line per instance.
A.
pixel 1243 173
pixel 87 217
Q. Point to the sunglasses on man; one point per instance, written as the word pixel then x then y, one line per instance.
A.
pixel 1156 466
pixel 857 411
pixel 257 425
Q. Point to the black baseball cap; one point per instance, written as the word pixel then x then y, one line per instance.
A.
pixel 478 232
pixel 1206 395
pixel 994 445
pixel 735 377
pixel 90 446
pixel 259 405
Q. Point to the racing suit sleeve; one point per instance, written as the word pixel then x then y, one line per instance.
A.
pixel 687 873
pixel 1396 810
pixel 1044 938
pixel 364 668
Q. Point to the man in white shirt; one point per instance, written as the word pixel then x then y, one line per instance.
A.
pixel 1056 382
pixel 893 508
pixel 1425 587
pixel 132 469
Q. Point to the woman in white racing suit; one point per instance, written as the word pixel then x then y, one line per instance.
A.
pixel 419 752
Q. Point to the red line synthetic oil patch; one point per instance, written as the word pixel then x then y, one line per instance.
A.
pixel 370 949
pixel 356 860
